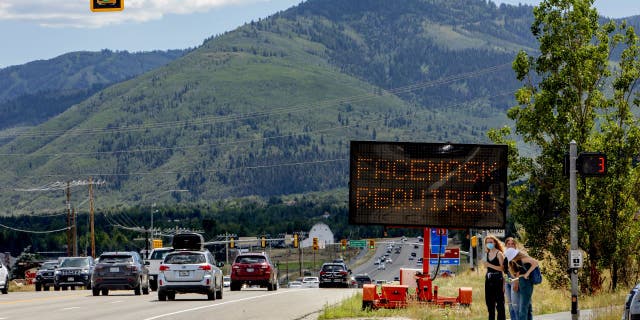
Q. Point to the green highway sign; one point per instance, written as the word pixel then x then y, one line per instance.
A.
pixel 357 243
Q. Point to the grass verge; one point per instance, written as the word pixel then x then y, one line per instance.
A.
pixel 546 300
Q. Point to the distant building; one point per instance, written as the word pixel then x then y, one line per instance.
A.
pixel 320 231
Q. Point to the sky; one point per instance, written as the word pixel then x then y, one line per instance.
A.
pixel 33 29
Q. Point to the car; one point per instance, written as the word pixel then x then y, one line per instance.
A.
pixel 382 266
pixel 295 284
pixel 190 271
pixel 411 258
pixel 389 261
pixel 72 272
pixel 226 281
pixel 310 282
pixel 413 254
pixel 4 278
pixel 362 279
pixel 120 270
pixel 381 282
pixel 334 275
pixel 632 304
pixel 153 264
pixel 254 269
pixel 44 275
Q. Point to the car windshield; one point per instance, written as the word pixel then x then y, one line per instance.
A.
pixel 116 259
pixel 49 265
pixel 310 279
pixel 159 254
pixel 185 258
pixel 74 263
pixel 251 259
pixel 363 278
pixel 333 267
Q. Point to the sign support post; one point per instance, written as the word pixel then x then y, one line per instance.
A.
pixel 573 221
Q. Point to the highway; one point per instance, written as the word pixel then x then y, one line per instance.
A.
pixel 400 260
pixel 123 305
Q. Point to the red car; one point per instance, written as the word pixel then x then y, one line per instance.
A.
pixel 253 269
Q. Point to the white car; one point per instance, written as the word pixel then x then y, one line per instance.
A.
pixel 4 279
pixel 153 264
pixel 226 281
pixel 295 284
pixel 190 272
pixel 382 267
pixel 311 282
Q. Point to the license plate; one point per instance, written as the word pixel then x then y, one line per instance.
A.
pixel 70 279
pixel 249 269
pixel 114 269
pixel 183 273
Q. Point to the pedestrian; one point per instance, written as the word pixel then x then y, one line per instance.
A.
pixel 512 296
pixel 520 266
pixel 494 280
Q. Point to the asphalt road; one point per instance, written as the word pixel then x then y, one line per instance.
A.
pixel 122 305
pixel 400 260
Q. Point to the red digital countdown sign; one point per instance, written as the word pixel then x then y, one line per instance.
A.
pixel 428 184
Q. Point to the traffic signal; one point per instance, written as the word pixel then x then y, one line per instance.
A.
pixel 295 240
pixel 106 5
pixel 232 243
pixel 263 242
pixel 372 244
pixel 592 164
pixel 315 243
pixel 343 244
pixel 474 241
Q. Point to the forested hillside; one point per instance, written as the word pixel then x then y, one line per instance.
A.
pixel 35 92
pixel 269 108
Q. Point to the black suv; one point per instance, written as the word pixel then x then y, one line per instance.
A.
pixel 120 271
pixel 362 279
pixel 334 275
pixel 44 276
pixel 72 272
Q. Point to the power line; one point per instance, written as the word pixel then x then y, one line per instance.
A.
pixel 33 231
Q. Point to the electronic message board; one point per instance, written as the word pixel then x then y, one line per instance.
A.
pixel 428 184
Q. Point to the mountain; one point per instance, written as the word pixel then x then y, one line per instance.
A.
pixel 36 91
pixel 269 108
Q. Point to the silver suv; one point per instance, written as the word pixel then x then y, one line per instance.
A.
pixel 190 271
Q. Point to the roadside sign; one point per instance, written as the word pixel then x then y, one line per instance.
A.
pixel 444 261
pixel 439 239
pixel 500 233
pixel 358 243
pixel 450 256
pixel 575 259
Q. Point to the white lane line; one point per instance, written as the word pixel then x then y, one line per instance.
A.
pixel 213 306
pixel 70 308
pixel 117 301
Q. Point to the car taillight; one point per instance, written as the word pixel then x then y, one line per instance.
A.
pixel 205 267
pixel 236 267
pixel 322 273
pixel 264 266
pixel 164 267
pixel 344 273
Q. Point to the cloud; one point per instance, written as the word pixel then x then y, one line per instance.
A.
pixel 77 13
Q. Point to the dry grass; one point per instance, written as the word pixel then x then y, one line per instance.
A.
pixel 545 300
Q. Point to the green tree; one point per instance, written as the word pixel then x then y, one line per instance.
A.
pixel 572 92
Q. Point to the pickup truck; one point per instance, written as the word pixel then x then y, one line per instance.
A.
pixel 153 264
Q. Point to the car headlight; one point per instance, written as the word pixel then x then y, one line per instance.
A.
pixel 57 272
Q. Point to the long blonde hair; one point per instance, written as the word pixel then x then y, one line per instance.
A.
pixel 498 243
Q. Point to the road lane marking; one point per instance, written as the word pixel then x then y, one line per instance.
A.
pixel 70 308
pixel 214 305
pixel 117 301
pixel 41 299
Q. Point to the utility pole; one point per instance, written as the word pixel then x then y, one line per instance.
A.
pixel 69 244
pixel 92 219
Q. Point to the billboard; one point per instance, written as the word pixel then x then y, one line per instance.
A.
pixel 428 184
